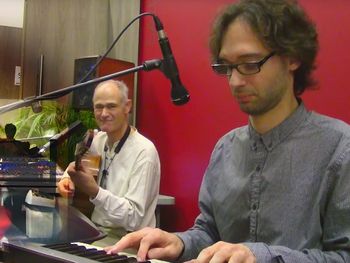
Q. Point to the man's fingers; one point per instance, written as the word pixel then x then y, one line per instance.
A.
pixel 131 240
pixel 143 250
pixel 206 254
pixel 222 252
pixel 66 187
pixel 159 253
pixel 71 186
pixel 151 243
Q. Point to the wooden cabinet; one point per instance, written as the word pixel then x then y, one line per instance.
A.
pixel 10 57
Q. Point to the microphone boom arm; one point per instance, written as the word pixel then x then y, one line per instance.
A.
pixel 146 66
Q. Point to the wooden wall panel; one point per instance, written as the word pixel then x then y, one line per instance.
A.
pixel 68 29
pixel 61 31
pixel 10 56
pixel 121 13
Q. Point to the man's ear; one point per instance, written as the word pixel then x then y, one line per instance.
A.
pixel 128 106
pixel 294 64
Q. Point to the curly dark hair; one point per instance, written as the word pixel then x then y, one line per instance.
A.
pixel 282 26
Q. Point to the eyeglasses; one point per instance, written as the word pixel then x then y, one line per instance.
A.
pixel 246 68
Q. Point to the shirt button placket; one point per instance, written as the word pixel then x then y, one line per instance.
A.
pixel 255 186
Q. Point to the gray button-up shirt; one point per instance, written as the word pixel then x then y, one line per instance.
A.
pixel 284 194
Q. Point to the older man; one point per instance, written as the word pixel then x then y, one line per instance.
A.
pixel 126 191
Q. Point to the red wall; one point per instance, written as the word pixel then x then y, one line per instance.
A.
pixel 185 135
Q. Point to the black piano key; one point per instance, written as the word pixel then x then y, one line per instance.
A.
pixel 55 246
pixel 100 254
pixel 95 254
pixel 132 260
pixel 76 250
pixel 61 246
pixel 114 260
pixel 67 249
pixel 84 253
pixel 129 260
pixel 111 258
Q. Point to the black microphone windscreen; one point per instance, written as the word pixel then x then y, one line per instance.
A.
pixel 179 95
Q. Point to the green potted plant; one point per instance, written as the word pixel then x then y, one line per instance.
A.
pixel 39 127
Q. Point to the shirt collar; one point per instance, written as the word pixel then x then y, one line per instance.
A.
pixel 280 132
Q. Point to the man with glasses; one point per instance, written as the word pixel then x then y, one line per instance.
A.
pixel 125 193
pixel 245 68
pixel 275 190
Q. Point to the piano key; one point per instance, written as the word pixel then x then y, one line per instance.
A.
pixel 77 253
pixel 103 257
pixel 89 251
pixel 55 246
pixel 96 255
pixel 68 248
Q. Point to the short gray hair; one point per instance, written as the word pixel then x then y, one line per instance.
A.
pixel 123 88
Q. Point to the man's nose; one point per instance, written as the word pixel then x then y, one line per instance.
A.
pixel 236 79
pixel 104 111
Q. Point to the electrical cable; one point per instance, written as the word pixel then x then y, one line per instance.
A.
pixel 98 62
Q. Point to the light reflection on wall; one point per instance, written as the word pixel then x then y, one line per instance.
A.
pixel 11 13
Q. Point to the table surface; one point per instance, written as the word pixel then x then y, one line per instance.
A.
pixel 166 200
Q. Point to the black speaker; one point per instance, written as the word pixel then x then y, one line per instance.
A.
pixel 82 97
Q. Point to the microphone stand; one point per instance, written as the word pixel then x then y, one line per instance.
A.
pixel 146 66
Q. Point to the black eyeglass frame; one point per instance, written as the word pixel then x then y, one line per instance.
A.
pixel 258 65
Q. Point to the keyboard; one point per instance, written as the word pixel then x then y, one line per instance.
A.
pixel 28 172
pixel 75 252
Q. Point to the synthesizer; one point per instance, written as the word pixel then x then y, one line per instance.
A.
pixel 28 172
pixel 75 252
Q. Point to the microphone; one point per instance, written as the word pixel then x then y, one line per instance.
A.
pixel 179 94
